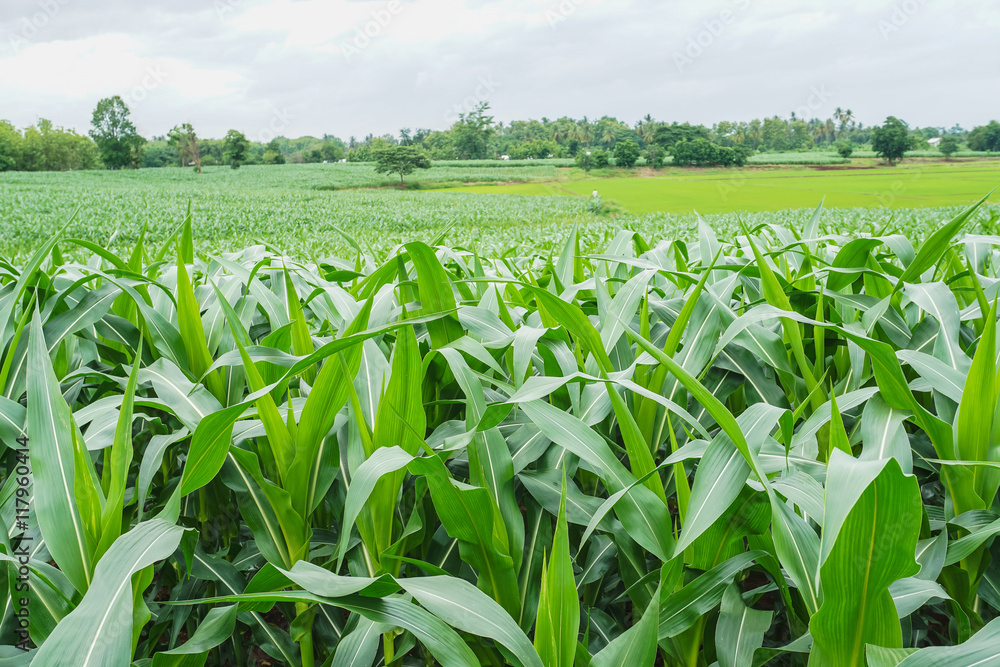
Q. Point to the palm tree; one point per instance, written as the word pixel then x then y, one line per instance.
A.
pixel 830 130
pixel 583 132
pixel 646 127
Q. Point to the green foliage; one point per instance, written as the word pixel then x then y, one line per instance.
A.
pixel 626 154
pixel 273 157
pixel 985 137
pixel 10 146
pixel 600 159
pixel 400 160
pixel 472 132
pixel 667 136
pixel 631 456
pixel 695 153
pixel 844 149
pixel 892 140
pixel 45 147
pixel 655 156
pixel 948 146
pixel 119 144
pixel 236 148
pixel 184 139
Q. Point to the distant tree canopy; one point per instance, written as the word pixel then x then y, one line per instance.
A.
pixel 702 152
pixel 400 160
pixel 627 153
pixel 666 136
pixel 948 146
pixel 45 147
pixel 184 139
pixel 475 134
pixel 472 133
pixel 891 141
pixel 985 137
pixel 655 156
pixel 236 148
pixel 119 144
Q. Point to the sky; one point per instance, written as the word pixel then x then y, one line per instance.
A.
pixel 354 67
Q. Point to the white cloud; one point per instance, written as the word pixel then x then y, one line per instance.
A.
pixel 236 63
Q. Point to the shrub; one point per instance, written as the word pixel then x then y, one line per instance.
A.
pixel 626 154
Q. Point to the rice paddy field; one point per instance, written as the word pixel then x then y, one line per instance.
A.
pixel 909 185
pixel 253 418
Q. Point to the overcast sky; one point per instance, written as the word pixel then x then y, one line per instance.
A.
pixel 350 67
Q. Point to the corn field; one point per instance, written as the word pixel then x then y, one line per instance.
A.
pixel 780 446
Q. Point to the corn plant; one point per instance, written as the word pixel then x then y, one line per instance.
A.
pixel 778 446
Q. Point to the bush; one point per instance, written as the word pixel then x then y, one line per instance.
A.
pixel 948 146
pixel 695 152
pixel 844 149
pixel 626 154
pixel 655 156
pixel 601 159
pixel 273 157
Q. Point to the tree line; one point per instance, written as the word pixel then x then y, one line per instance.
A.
pixel 114 143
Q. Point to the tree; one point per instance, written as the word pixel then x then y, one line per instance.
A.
pixel 273 157
pixel 184 139
pixel 600 158
pixel 46 147
pixel 892 140
pixel 666 136
pixel 10 146
pixel 985 137
pixel 844 148
pixel 331 152
pixel 655 156
pixel 585 161
pixel 400 160
pixel 235 148
pixel 948 146
pixel 695 152
pixel 626 153
pixel 472 133
pixel 117 141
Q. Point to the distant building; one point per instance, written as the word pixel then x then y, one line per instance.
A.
pixel 504 157
pixel 935 141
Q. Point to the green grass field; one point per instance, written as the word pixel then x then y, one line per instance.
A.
pixel 724 190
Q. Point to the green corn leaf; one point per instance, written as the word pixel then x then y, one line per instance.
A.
pixel 50 430
pixel 99 630
pixel 740 631
pixel 558 621
pixel 871 548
